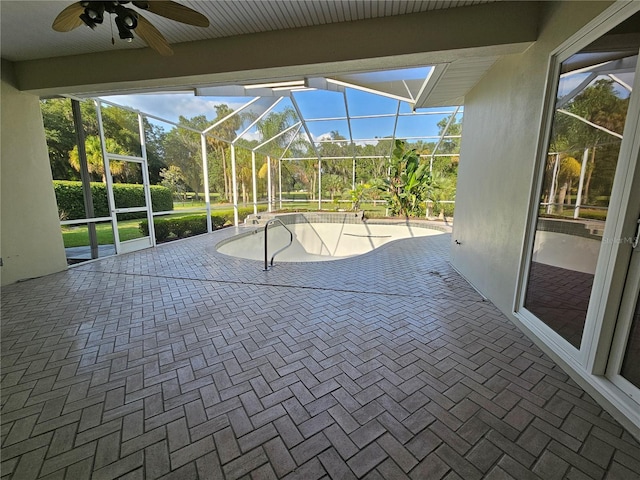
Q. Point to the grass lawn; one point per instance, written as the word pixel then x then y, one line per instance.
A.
pixel 78 236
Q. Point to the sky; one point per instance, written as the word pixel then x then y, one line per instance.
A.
pixel 316 104
pixel 322 108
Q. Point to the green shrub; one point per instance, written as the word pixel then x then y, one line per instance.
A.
pixel 189 225
pixel 244 212
pixel 448 209
pixel 161 228
pixel 181 227
pixel 71 201
pixel 161 198
pixel 218 221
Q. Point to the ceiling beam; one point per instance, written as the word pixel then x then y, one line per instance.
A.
pixel 436 36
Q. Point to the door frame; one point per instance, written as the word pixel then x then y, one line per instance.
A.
pixel 630 301
pixel 588 364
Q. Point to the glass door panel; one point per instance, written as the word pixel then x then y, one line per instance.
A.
pixel 129 226
pixel 128 186
pixel 593 94
pixel 129 194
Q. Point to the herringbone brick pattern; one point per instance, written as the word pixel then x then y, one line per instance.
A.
pixel 181 363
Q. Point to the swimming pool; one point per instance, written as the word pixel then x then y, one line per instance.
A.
pixel 320 241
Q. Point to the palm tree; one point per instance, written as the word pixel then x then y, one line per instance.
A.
pixel 272 125
pixel 224 134
pixel 569 169
pixel 95 161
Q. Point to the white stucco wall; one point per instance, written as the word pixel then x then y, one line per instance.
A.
pixel 30 239
pixel 502 118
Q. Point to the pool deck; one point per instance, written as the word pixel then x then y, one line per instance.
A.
pixel 179 362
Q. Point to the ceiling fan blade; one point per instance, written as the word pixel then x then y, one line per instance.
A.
pixel 69 18
pixel 174 11
pixel 152 36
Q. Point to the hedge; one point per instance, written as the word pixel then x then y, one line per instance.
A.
pixel 180 227
pixel 71 201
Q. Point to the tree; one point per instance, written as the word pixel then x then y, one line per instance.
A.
pixel 569 169
pixel 442 188
pixel 448 165
pixel 183 148
pixel 244 173
pixel 120 126
pixel 333 184
pixel 270 126
pixel 155 139
pixel 407 187
pixel 224 134
pixel 95 162
pixel 61 136
pixel 599 104
pixel 361 193
pixel 173 179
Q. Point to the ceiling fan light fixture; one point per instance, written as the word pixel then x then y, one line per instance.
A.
pixel 93 14
pixel 88 21
pixel 128 17
pixel 126 21
pixel 124 31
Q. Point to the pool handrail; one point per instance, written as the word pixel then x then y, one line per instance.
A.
pixel 266 226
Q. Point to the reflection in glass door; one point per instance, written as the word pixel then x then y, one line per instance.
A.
pixel 593 95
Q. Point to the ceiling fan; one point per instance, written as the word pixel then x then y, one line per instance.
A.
pixel 128 20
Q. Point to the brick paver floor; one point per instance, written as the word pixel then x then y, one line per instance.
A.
pixel 179 362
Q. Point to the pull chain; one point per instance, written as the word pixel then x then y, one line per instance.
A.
pixel 113 41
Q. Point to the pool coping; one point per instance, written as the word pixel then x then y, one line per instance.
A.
pixel 353 218
pixel 256 222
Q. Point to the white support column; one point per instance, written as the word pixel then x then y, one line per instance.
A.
pixel 280 181
pixel 205 174
pixel 254 182
pixel 234 185
pixel 146 181
pixel 583 170
pixel 269 196
pixel 319 184
pixel 108 179
pixel 552 190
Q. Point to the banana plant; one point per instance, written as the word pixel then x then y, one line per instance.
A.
pixel 407 186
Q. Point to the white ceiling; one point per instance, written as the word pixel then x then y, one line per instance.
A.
pixel 27 38
pixel 26 33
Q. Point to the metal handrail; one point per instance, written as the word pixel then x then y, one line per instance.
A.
pixel 266 226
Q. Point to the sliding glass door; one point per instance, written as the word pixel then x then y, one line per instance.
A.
pixel 581 276
pixel 591 108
